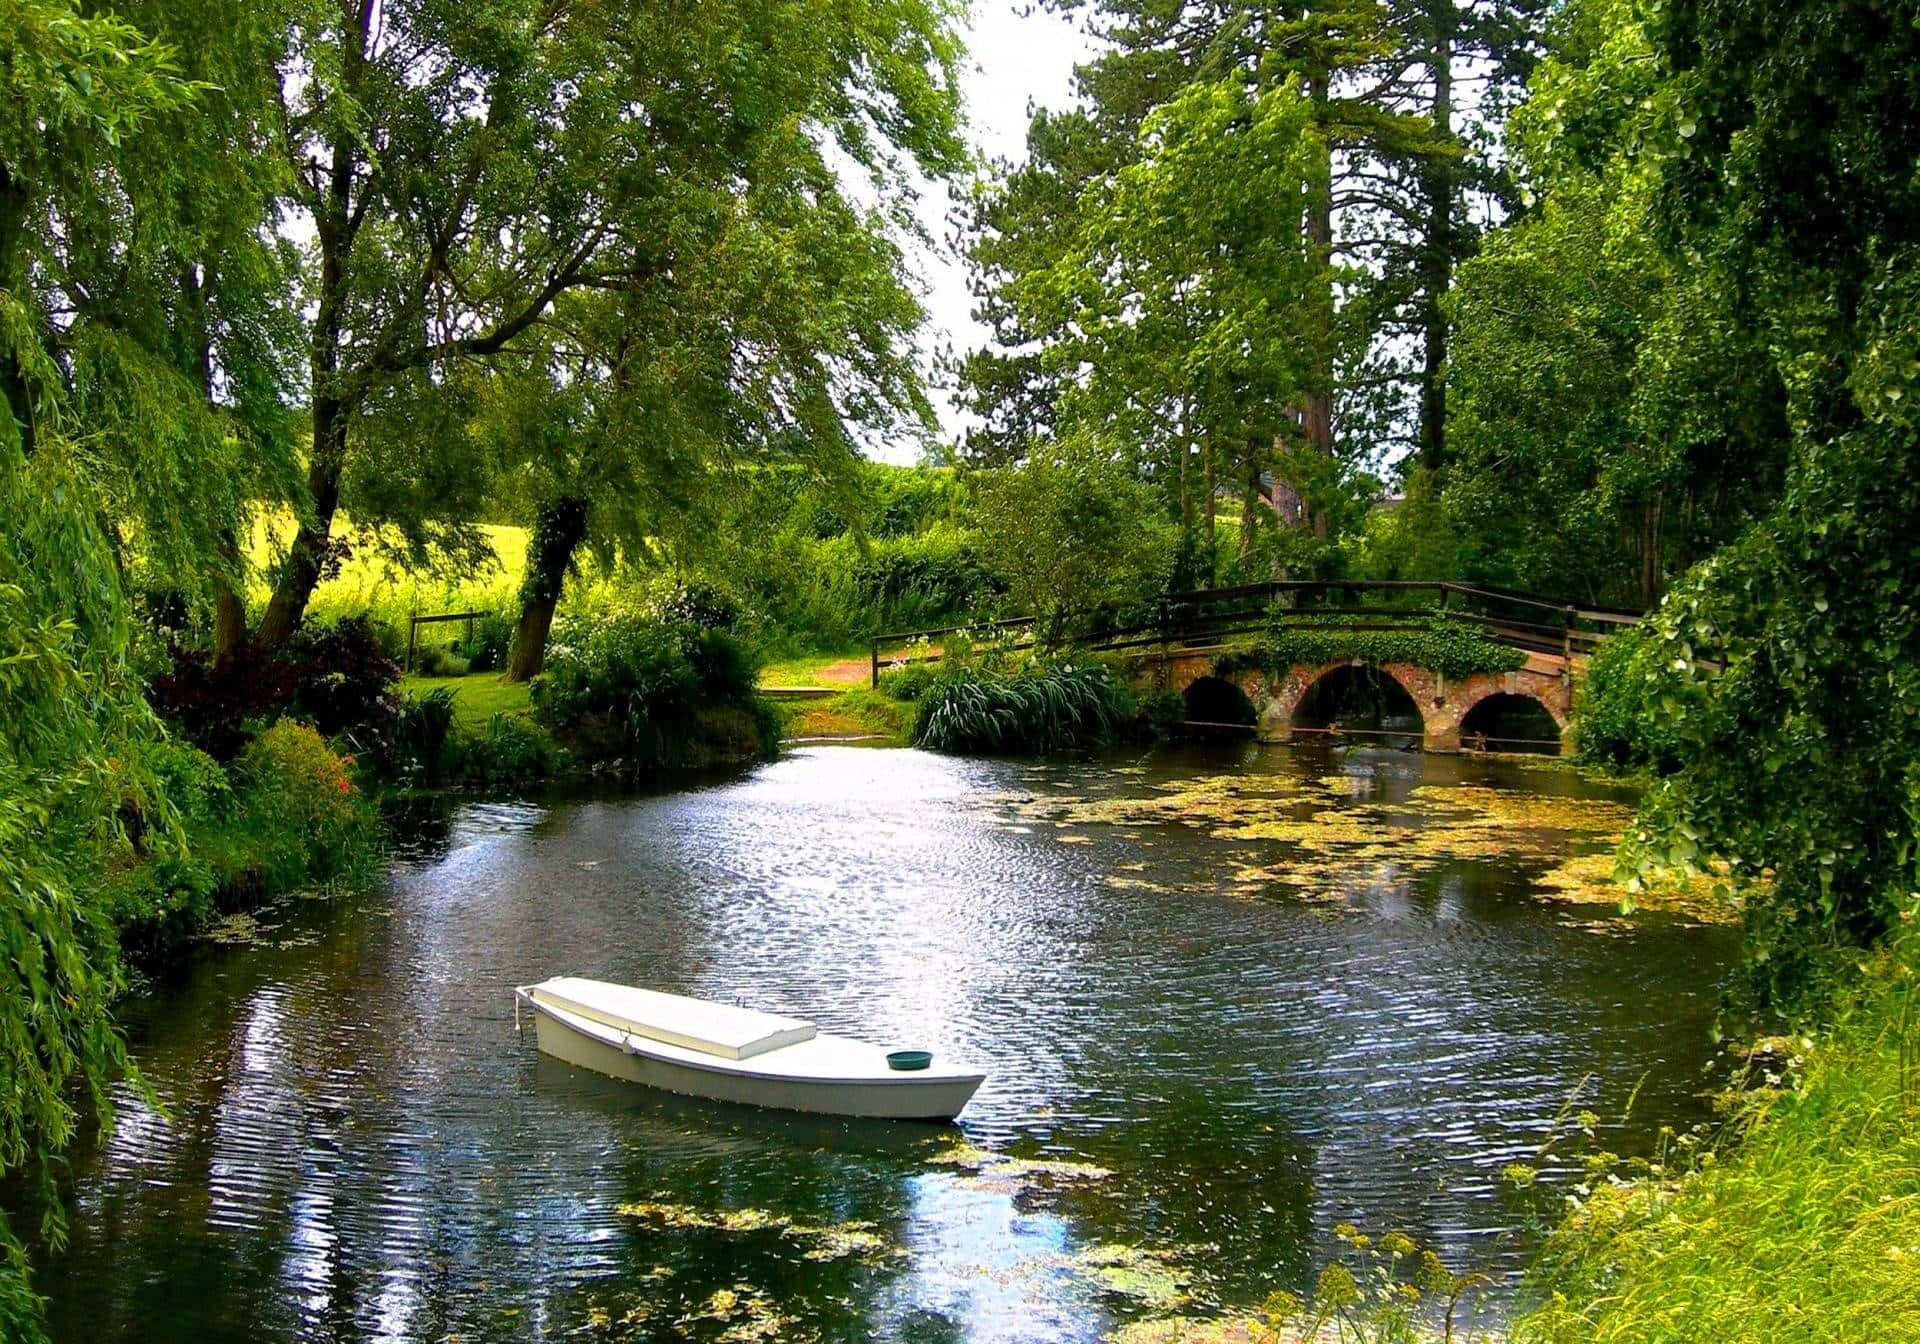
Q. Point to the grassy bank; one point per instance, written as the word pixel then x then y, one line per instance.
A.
pixel 1804 1226
pixel 286 815
pixel 856 712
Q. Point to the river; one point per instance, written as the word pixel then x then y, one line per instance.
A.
pixel 1228 997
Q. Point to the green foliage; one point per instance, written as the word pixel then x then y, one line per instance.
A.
pixel 423 735
pixel 1766 137
pixel 1628 703
pixel 487 650
pixel 833 594
pixel 433 744
pixel 1072 534
pixel 1036 707
pixel 1262 215
pixel 1415 539
pixel 1380 1290
pixel 435 661
pixel 1163 713
pixel 876 500
pixel 510 750
pixel 1443 646
pixel 306 822
pixel 1800 1224
pixel 910 681
pixel 276 823
pixel 1614 418
pixel 760 317
pixel 75 734
pixel 624 684
pixel 1176 307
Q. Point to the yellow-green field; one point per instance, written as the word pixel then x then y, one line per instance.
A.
pixel 369 583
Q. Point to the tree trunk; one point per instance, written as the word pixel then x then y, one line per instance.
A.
pixel 1250 500
pixel 300 575
pixel 557 533
pixel 1210 483
pixel 229 616
pixel 335 228
pixel 1436 258
pixel 1185 494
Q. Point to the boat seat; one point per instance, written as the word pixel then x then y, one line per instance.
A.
pixel 720 1029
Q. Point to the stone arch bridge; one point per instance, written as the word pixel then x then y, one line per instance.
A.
pixel 1446 706
pixel 1179 647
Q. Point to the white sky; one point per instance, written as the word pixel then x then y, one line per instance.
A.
pixel 1019 57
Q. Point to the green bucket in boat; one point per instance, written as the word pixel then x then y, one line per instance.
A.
pixel 907 1061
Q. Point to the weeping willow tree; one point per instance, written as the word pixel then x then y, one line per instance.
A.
pixel 75 728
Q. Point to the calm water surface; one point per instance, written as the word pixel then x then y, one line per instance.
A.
pixel 356 1145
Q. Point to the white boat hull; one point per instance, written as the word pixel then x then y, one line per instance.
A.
pixel 847 1078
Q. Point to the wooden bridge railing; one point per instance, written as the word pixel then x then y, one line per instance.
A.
pixel 1209 616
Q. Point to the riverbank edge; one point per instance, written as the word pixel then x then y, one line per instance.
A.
pixel 304 818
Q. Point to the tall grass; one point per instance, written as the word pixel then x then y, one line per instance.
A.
pixel 1808 1228
pixel 1036 708
pixel 369 584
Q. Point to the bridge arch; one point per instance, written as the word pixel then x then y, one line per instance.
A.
pixel 1214 700
pixel 1475 709
pixel 1443 703
pixel 1302 684
pixel 1507 721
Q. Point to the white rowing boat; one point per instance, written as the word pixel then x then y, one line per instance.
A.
pixel 727 1053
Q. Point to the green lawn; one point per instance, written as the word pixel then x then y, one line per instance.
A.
pixel 476 698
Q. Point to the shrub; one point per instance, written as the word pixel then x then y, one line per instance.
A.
pixel 165 892
pixel 697 604
pixel 435 661
pixel 337 676
pixel 422 736
pixel 909 681
pixel 1163 713
pixel 218 705
pixel 286 816
pixel 1039 708
pixel 487 650
pixel 345 680
pixel 624 684
pixel 1629 705
pixel 303 820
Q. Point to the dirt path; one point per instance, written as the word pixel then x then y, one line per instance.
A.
pixel 846 672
